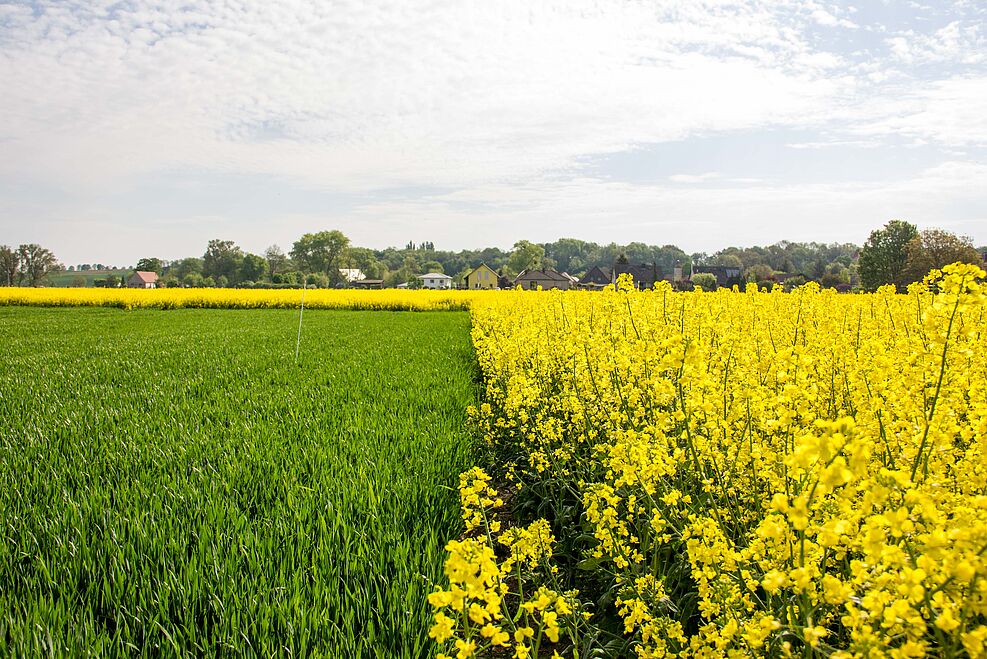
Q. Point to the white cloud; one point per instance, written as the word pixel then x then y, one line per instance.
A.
pixel 955 42
pixel 357 96
pixel 948 111
pixel 823 17
pixel 834 144
pixel 693 178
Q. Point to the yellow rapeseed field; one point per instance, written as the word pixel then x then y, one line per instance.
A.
pixel 727 474
pixel 229 298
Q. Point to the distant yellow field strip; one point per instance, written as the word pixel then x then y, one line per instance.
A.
pixel 220 298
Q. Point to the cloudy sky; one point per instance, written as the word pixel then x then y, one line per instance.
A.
pixel 141 128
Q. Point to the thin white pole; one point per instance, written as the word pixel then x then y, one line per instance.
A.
pixel 301 310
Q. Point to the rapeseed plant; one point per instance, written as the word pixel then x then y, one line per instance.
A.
pixel 737 473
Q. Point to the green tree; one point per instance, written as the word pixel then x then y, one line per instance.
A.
pixel 758 272
pixel 705 280
pixel 35 263
pixel 321 252
pixel 526 255
pixel 192 280
pixel 10 265
pixel 149 265
pixel 253 268
pixel 836 275
pixel 883 256
pixel 568 253
pixel 638 253
pixel 222 259
pixel 727 261
pixel 935 248
pixel 185 267
pixel 432 266
pixel 317 280
pixel 277 260
pixel 366 260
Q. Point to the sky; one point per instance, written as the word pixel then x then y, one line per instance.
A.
pixel 137 128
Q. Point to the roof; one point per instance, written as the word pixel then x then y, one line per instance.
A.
pixel 352 274
pixel 553 275
pixel 596 272
pixel 434 275
pixel 725 270
pixel 643 274
pixel 146 277
pixel 482 265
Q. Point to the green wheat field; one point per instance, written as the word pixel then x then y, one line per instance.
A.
pixel 173 484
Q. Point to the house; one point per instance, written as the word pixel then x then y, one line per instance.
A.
pixel 726 276
pixel 644 275
pixel 142 279
pixel 533 279
pixel 367 283
pixel 483 277
pixel 436 280
pixel 351 275
pixel 596 277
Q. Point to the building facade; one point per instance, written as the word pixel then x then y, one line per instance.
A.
pixel 142 279
pixel 436 280
pixel 483 277
pixel 532 280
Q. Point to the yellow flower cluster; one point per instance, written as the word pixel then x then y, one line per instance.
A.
pixel 233 298
pixel 756 473
pixel 489 602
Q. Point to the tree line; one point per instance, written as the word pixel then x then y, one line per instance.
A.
pixel 25 265
pixel 898 254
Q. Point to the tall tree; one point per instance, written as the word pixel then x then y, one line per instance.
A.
pixel 149 265
pixel 185 267
pixel 253 268
pixel 276 259
pixel 321 252
pixel 222 259
pixel 35 263
pixel 883 257
pixel 935 248
pixel 364 259
pixel 10 264
pixel 568 253
pixel 432 266
pixel 526 255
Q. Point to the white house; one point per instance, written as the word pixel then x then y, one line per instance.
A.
pixel 142 279
pixel 436 280
pixel 351 275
